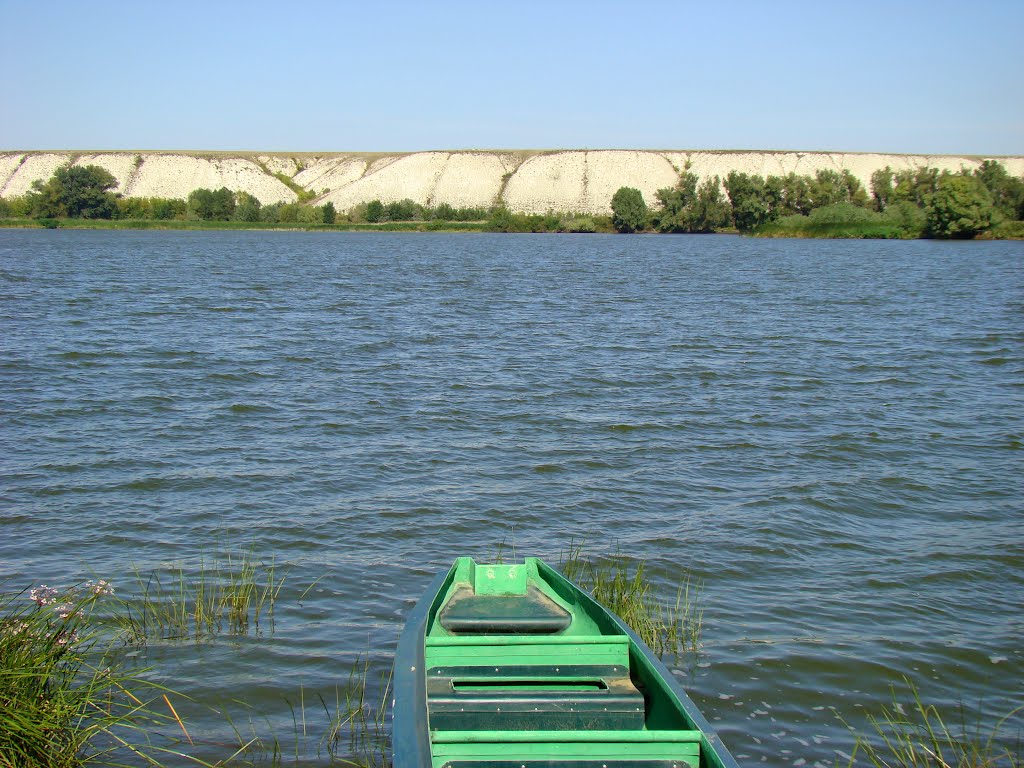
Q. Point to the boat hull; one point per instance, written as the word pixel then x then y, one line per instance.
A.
pixel 514 666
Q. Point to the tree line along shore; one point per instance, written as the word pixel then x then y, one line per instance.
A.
pixel 987 202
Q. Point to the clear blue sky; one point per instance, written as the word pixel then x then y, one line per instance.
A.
pixel 916 76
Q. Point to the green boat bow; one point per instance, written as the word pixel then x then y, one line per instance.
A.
pixel 514 666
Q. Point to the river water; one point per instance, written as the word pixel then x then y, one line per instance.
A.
pixel 828 435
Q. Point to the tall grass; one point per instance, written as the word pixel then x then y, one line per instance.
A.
pixel 619 584
pixel 232 592
pixel 916 735
pixel 66 699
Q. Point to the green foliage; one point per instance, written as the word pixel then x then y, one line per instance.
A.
pixel 164 209
pixel 960 207
pixel 788 195
pixel 1007 191
pixel 881 188
pixel 687 208
pixel 629 211
pixel 304 195
pixel 908 218
pixel 67 699
pixel 328 214
pixel 831 187
pixel 375 211
pixel 288 213
pixel 210 205
pixel 1008 230
pixel 916 186
pixel 445 212
pixel 247 207
pixel 402 210
pixel 308 214
pixel 847 220
pixel 747 197
pixel 77 191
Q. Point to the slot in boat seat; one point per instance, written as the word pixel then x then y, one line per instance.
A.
pixel 534 698
pixel 468 613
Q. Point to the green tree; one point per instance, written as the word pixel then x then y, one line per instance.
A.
pixel 77 191
pixel 401 210
pixel 247 207
pixel 830 187
pixel 747 198
pixel 915 186
pixel 375 211
pixel 711 212
pixel 689 208
pixel 164 208
pixel 881 188
pixel 629 211
pixel 1007 191
pixel 961 207
pixel 676 204
pixel 328 213
pixel 212 205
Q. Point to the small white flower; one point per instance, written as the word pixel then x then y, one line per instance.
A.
pixel 43 595
pixel 101 587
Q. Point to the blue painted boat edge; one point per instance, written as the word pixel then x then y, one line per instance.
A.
pixel 712 744
pixel 410 731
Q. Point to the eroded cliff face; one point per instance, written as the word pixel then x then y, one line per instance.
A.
pixel 525 181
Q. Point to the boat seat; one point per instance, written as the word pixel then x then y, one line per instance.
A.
pixel 689 760
pixel 534 699
pixel 468 613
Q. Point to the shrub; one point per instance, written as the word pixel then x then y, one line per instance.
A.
pixel 328 214
pixel 961 207
pixel 374 211
pixel 629 211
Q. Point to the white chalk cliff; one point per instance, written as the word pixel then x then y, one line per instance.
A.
pixel 581 181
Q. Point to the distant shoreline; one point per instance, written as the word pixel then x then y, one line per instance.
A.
pixel 411 227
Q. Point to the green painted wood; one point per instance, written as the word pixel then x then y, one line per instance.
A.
pixel 518 703
pixel 684 753
pixel 471 613
pixel 497 656
pixel 567 737
pixel 592 763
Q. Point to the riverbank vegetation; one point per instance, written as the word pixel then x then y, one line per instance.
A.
pixel 67 697
pixel 986 203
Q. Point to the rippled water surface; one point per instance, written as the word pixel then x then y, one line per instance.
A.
pixel 828 434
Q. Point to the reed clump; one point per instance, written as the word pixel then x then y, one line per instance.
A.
pixel 232 592
pixel 618 583
pixel 66 698
pixel 915 735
